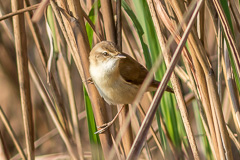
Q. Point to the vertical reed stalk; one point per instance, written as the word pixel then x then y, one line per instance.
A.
pixel 23 76
pixel 175 83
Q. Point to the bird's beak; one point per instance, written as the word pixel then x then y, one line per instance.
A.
pixel 120 55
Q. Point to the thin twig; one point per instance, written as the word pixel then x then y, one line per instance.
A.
pixel 20 11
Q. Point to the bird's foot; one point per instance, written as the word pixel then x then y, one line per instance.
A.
pixel 103 127
pixel 107 125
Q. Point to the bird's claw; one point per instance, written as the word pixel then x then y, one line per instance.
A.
pixel 101 131
pixel 103 127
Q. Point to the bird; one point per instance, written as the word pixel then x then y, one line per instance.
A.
pixel 117 76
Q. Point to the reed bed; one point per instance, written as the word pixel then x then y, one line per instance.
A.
pixel 48 110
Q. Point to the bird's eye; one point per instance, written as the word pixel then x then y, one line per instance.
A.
pixel 105 53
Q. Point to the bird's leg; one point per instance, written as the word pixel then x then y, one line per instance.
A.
pixel 105 126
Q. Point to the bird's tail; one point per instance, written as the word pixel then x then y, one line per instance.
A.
pixel 169 89
pixel 154 85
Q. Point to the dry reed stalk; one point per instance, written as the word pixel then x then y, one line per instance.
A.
pixel 138 142
pixel 23 75
pixel 12 134
pixel 109 29
pixel 126 28
pixel 139 106
pixel 66 28
pixel 228 33
pixel 127 137
pixel 64 67
pixel 199 56
pixel 130 49
pixel 89 5
pixel 82 63
pixel 233 95
pixel 49 104
pixel 108 20
pixel 220 53
pixel 9 66
pixel 189 68
pixel 236 14
pixel 201 29
pixel 3 149
pixel 141 91
pixel 64 74
pixel 203 93
pixel 235 141
pixel 48 136
pixel 154 135
pixel 207 126
pixel 105 19
pixel 44 59
pixel 115 146
pixel 119 25
pixel 17 12
pixel 40 10
pixel 73 51
pixel 200 78
pixel 204 121
pixel 55 94
pixel 175 81
pixel 36 36
pixel 95 31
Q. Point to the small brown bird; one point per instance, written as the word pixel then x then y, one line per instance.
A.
pixel 116 75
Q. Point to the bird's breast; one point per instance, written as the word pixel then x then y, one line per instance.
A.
pixel 113 88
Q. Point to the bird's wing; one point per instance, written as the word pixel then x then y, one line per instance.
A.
pixel 132 71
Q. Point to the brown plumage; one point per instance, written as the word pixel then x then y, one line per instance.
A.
pixel 135 73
